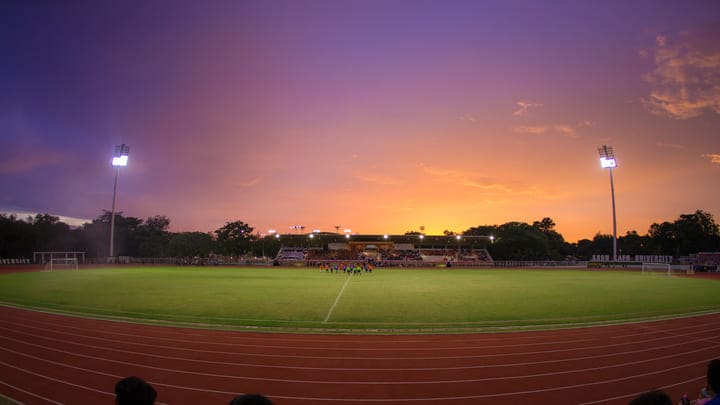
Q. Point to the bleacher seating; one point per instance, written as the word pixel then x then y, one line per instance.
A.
pixel 289 253
pixel 337 254
pixel 4 261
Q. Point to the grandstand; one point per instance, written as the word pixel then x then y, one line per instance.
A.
pixel 287 253
pixel 706 261
pixel 383 250
pixel 15 261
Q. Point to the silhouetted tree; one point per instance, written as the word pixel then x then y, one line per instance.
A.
pixel 584 249
pixel 190 244
pixel 267 246
pixel 17 239
pixel 153 236
pixel 634 244
pixel 696 232
pixel 663 238
pixel 519 241
pixel 234 238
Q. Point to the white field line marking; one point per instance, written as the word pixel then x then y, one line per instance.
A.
pixel 706 315
pixel 337 299
pixel 193 360
pixel 503 394
pixel 466 356
pixel 575 320
pixel 24 325
pixel 346 382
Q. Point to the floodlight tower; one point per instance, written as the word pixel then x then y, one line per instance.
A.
pixel 607 161
pixel 120 159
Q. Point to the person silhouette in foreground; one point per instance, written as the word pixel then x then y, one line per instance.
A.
pixel 709 394
pixel 251 399
pixel 134 391
pixel 655 397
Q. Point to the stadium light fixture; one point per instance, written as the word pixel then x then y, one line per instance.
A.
pixel 120 159
pixel 607 161
pixel 277 236
pixel 316 231
pixel 312 235
pixel 385 236
pixel 347 230
pixel 347 236
pixel 272 231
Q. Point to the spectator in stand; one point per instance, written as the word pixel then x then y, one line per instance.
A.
pixel 655 397
pixel 251 399
pixel 134 391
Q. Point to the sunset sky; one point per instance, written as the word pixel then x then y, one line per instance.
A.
pixel 379 116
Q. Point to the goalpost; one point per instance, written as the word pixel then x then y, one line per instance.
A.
pixel 664 268
pixel 62 263
pixel 59 260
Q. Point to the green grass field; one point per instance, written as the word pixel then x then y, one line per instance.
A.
pixel 395 299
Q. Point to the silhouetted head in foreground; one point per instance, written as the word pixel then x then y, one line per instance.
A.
pixel 251 399
pixel 134 391
pixel 713 376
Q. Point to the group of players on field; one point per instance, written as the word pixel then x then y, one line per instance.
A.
pixel 349 268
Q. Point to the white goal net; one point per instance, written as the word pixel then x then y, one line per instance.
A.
pixel 661 268
pixel 62 263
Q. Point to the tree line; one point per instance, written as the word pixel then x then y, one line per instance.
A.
pixel 20 237
pixel 689 233
pixel 150 237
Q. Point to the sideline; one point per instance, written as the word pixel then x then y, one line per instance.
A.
pixel 337 299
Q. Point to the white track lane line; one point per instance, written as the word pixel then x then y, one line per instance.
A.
pixel 634 394
pixel 245 335
pixel 347 382
pixel 237 364
pixel 15 401
pixel 643 333
pixel 265 355
pixel 61 381
pixel 503 394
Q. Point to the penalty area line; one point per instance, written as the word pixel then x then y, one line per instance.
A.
pixel 337 299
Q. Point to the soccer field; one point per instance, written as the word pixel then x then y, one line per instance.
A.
pixel 388 299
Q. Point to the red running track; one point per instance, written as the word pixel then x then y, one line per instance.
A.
pixel 52 359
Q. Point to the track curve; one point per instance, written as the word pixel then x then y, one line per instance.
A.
pixel 49 359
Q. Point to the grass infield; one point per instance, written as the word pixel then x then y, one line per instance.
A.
pixel 386 300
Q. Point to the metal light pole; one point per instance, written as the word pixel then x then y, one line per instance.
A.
pixel 607 161
pixel 119 159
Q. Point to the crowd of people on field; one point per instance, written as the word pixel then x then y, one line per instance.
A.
pixel 348 268
pixel 136 391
